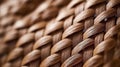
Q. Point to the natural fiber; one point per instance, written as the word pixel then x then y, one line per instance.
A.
pixel 59 33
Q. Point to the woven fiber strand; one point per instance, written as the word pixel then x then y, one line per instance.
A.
pixel 60 33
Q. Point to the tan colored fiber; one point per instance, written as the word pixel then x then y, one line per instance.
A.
pixel 59 33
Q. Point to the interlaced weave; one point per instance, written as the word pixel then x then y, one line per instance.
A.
pixel 59 33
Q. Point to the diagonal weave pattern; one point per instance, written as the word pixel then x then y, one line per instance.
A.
pixel 59 33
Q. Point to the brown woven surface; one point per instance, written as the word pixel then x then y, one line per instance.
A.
pixel 59 33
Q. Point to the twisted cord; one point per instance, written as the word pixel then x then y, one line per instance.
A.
pixel 89 34
pixel 43 44
pixel 20 25
pixel 106 47
pixel 115 61
pixel 84 33
pixel 64 50
pixel 23 46
pixel 10 13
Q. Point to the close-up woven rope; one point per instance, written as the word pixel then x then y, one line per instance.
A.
pixel 59 33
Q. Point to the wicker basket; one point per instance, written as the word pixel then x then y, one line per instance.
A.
pixel 60 33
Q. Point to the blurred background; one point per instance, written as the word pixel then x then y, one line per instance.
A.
pixel 19 17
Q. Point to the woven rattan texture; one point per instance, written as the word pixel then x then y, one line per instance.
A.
pixel 59 33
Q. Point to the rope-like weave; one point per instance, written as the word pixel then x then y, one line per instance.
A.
pixel 60 33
